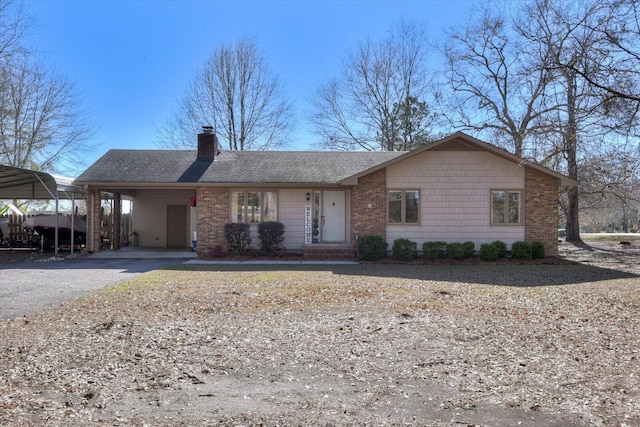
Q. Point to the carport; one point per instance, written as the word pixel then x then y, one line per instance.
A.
pixel 26 184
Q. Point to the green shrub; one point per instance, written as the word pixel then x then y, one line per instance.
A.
pixel 537 250
pixel 238 237
pixel 469 248
pixel 433 250
pixel 454 251
pixel 271 235
pixel 501 248
pixel 404 249
pixel 371 248
pixel 488 252
pixel 521 250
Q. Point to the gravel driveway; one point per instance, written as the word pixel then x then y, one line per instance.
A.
pixel 27 287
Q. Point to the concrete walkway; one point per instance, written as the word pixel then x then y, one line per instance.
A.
pixel 190 257
pixel 146 253
pixel 268 262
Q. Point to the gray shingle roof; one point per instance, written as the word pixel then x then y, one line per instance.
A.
pixel 252 167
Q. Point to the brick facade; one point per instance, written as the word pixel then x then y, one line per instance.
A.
pixel 369 205
pixel 212 215
pixel 541 209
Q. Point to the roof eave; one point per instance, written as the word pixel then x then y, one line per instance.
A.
pixel 107 185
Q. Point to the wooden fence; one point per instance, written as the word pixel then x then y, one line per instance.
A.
pixel 16 232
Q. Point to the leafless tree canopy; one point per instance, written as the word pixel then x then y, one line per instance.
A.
pixel 41 124
pixel 237 94
pixel 494 82
pixel 378 102
pixel 529 79
pixel 14 25
pixel 618 38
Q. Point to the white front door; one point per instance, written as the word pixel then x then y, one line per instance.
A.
pixel 333 216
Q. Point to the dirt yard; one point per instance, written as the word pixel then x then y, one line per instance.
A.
pixel 551 343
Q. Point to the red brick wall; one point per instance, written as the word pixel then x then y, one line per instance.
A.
pixel 541 209
pixel 370 191
pixel 212 215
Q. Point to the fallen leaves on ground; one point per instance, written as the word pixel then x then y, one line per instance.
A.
pixel 363 345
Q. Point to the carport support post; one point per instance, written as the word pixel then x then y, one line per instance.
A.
pixel 73 221
pixel 93 214
pixel 55 239
pixel 117 212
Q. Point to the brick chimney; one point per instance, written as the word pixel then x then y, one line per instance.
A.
pixel 207 144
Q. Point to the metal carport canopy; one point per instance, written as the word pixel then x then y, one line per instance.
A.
pixel 17 183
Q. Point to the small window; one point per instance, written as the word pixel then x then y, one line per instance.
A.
pixel 254 206
pixel 506 207
pixel 403 207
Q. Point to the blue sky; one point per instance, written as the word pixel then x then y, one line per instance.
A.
pixel 130 60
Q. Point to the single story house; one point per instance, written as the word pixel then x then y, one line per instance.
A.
pixel 455 189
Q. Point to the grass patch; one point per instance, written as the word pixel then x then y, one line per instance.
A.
pixel 146 281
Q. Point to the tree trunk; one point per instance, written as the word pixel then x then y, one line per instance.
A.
pixel 571 148
pixel 573 225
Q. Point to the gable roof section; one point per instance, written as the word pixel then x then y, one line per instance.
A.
pixel 230 167
pixel 460 141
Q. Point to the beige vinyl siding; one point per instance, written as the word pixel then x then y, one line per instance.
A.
pixel 150 215
pixel 291 205
pixel 455 196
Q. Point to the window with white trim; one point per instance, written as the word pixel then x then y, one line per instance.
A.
pixel 506 207
pixel 254 206
pixel 403 207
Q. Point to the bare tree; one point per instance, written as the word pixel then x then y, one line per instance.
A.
pixel 617 72
pixel 518 76
pixel 611 178
pixel 495 83
pixel 14 25
pixel 41 124
pixel 598 218
pixel 565 30
pixel 371 105
pixel 237 94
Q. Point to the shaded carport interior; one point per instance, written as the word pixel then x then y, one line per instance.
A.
pixel 26 184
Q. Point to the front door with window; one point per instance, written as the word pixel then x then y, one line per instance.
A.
pixel 332 220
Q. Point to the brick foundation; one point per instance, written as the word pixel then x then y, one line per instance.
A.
pixel 329 251
pixel 541 210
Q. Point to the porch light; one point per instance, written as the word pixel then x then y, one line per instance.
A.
pixel 308 196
